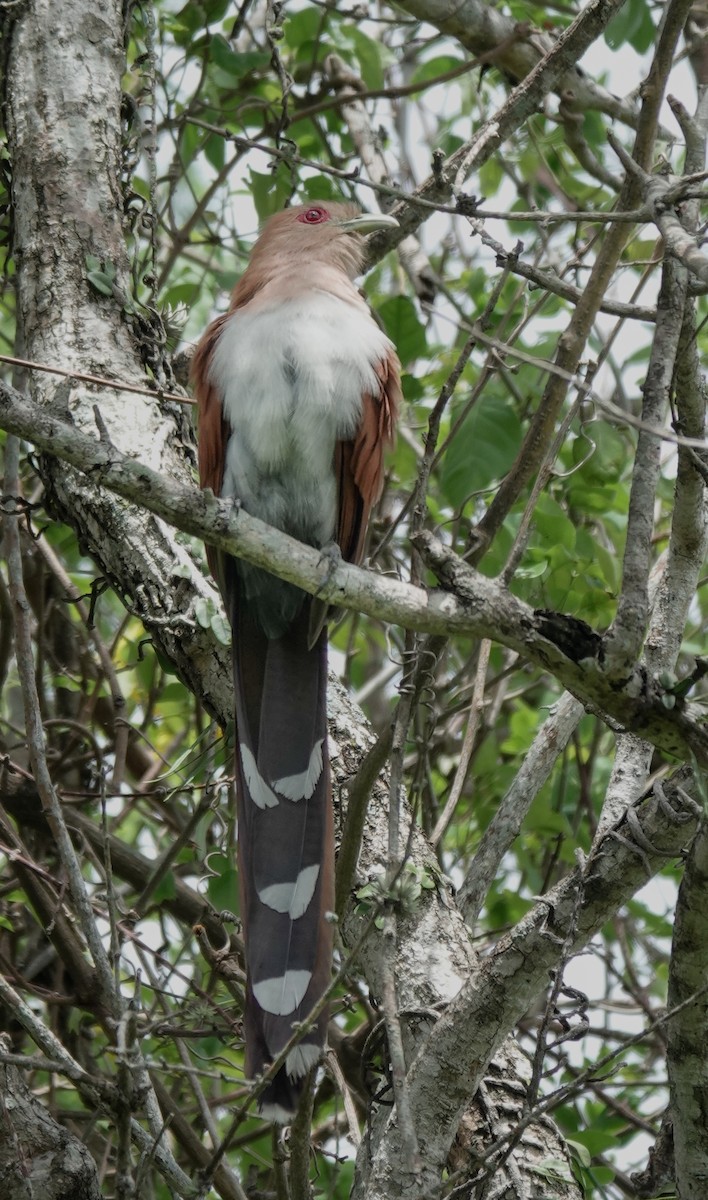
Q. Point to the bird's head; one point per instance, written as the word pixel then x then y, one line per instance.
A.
pixel 325 232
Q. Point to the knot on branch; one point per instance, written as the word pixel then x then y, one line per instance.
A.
pixel 573 637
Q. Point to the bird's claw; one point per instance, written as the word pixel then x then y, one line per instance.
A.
pixel 331 558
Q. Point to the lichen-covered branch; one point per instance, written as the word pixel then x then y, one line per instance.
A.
pixel 457 1048
pixel 568 648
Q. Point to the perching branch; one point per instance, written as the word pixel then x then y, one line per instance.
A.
pixel 571 650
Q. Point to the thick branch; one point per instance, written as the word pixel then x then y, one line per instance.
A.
pixel 39 1157
pixel 68 204
pixel 688 1068
pixel 484 30
pixel 566 647
pixel 548 744
pixel 545 70
pixel 452 1060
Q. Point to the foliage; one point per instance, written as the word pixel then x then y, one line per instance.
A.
pixel 245 121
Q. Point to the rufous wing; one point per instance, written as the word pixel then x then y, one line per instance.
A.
pixel 359 463
pixel 213 429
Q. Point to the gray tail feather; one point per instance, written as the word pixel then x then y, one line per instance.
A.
pixel 285 843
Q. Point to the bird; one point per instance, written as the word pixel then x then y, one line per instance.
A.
pixel 298 390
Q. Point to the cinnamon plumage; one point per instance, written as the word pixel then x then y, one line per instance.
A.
pixel 298 390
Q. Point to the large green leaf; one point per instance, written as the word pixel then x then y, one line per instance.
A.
pixel 404 327
pixel 482 450
pixel 633 24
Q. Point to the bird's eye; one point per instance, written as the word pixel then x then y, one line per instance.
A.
pixel 314 215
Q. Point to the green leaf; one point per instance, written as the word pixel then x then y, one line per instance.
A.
pixel 235 63
pixel 522 727
pixel 210 1047
pixel 101 282
pixel 182 293
pixel 166 663
pixel 303 26
pixel 582 1153
pixel 68 684
pixel 320 187
pixel 215 151
pixel 532 570
pixel 553 1169
pixel 100 275
pixel 482 450
pixel 166 889
pixel 203 610
pixel 490 178
pixel 629 23
pixel 403 327
pixel 602 1175
pixel 644 34
pixel 222 888
pixel 221 628
pixel 370 56
pixel 193 18
pixel 270 191
pixel 553 524
pixel 430 70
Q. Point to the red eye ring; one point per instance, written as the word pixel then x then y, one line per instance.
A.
pixel 314 215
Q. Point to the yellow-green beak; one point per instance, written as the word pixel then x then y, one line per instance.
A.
pixel 368 222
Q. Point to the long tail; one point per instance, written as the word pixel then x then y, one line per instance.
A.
pixel 286 844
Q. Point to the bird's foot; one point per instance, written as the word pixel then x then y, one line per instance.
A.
pixel 331 558
pixel 320 612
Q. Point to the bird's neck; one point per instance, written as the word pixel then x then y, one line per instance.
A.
pixel 286 280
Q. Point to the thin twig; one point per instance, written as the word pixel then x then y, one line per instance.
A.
pixel 110 998
pixel 476 710
pixel 118 385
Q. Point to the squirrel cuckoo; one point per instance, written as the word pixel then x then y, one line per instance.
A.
pixel 297 390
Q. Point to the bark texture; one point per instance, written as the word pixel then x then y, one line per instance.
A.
pixel 64 126
pixel 569 648
pixel 515 48
pixel 688 1070
pixel 39 1157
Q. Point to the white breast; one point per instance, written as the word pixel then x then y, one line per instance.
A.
pixel 292 378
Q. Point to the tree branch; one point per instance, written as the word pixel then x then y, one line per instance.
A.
pixel 39 1157
pixel 568 648
pixel 495 995
pixel 486 31
pixel 688 1067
